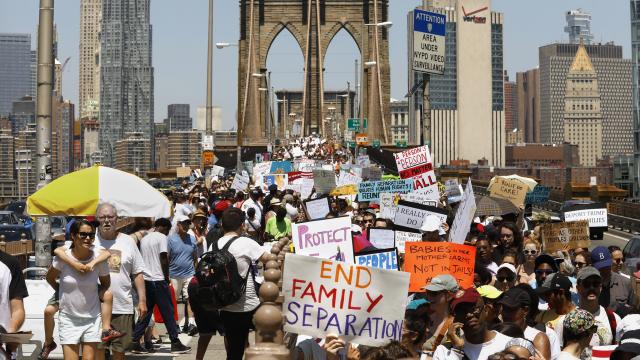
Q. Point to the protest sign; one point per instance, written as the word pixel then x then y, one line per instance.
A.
pixel 348 178
pixel 306 188
pixel 538 195
pixel 370 190
pixel 217 170
pixel 324 181
pixel 248 166
pixel 317 208
pixel 389 202
pixel 260 169
pixel 363 161
pixel 344 190
pixel 510 189
pixel 415 158
pixel 182 172
pixel 306 165
pixel 464 216
pixel 360 304
pixel 375 173
pixel 240 183
pixel 424 260
pixel 385 259
pixel 381 238
pixel 411 215
pixel 565 236
pixel 427 185
pixel 453 190
pixel 403 237
pixel 297 175
pixel 294 187
pixel 327 238
pixel 279 167
pixel 597 217
pixel 279 179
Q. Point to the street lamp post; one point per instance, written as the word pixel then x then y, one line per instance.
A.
pixel 209 125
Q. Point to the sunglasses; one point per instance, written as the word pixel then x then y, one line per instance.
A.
pixel 547 272
pixel 508 278
pixel 530 252
pixel 580 264
pixel 86 235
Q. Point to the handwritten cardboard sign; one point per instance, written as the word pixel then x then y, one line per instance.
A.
pixel 464 216
pixel 411 215
pixel 416 164
pixel 240 183
pixel 362 305
pixel 381 238
pixel 182 172
pixel 565 236
pixel 403 237
pixel 370 190
pixel 510 189
pixel 327 238
pixel 324 181
pixel 538 195
pixel 386 259
pixel 425 260
pixel 317 208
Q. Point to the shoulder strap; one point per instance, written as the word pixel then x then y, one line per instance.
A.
pixel 228 244
pixel 612 321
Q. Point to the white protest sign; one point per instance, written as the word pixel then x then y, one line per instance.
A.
pixel 217 170
pixel 318 208
pixel 389 202
pixel 385 259
pixel 595 217
pixel 324 181
pixel 411 215
pixel 347 178
pixel 464 216
pixel 403 237
pixel 381 238
pixel 416 164
pixel 306 187
pixel 363 161
pixel 260 169
pixel 240 183
pixel 328 238
pixel 429 31
pixel 361 304
pixel 306 165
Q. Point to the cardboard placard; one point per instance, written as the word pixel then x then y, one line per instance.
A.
pixel 565 236
pixel 324 181
pixel 317 208
pixel 425 260
pixel 370 190
pixel 361 304
pixel 279 167
pixel 510 189
pixel 411 215
pixel 389 203
pixel 385 259
pixel 539 195
pixel 240 183
pixel 327 238
pixel 348 178
pixel 381 238
pixel 375 173
pixel 403 237
pixel 464 216
pixel 182 172
pixel 597 217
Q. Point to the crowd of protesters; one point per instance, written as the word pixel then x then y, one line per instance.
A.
pixel 525 303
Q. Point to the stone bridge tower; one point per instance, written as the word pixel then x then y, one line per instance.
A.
pixel 313 23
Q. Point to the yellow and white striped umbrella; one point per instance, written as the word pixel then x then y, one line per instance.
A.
pixel 79 193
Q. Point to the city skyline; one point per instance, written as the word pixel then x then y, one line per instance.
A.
pixel 180 65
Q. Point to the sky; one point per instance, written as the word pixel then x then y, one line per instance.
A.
pixel 180 45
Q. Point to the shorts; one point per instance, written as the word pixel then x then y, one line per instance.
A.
pixel 180 286
pixel 207 321
pixel 55 299
pixel 75 329
pixel 123 323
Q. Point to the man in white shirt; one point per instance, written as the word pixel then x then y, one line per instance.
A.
pixel 477 342
pixel 125 264
pixel 254 201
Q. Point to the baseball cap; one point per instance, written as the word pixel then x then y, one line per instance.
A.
pixel 468 296
pixel 546 259
pixel 508 267
pixel 256 191
pixel 628 344
pixel 588 271
pixel 578 322
pixel 601 257
pixel 198 214
pixel 489 292
pixel 444 282
pixel 180 218
pixel 221 206
pixel 416 303
pixel 555 281
pixel 515 297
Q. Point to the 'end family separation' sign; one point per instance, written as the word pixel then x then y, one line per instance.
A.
pixel 361 304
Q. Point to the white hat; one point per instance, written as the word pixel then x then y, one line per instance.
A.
pixel 430 223
pixel 356 228
pixel 180 218
pixel 630 322
pixel 507 266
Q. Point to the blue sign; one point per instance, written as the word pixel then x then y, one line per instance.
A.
pixel 429 22
pixel 281 167
pixel 539 195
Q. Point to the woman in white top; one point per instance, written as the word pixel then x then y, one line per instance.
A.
pixel 79 317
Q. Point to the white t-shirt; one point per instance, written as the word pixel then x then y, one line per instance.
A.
pixel 474 351
pixel 151 246
pixel 554 345
pixel 249 203
pixel 200 248
pixel 246 251
pixel 124 263
pixel 567 356
pixel 604 335
pixel 79 292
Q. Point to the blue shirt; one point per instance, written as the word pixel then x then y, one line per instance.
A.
pixel 181 253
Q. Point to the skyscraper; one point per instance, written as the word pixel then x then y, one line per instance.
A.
pixel 528 93
pixel 510 104
pixel 16 70
pixel 582 111
pixel 178 118
pixel 635 56
pixel 578 26
pixel 89 80
pixel 473 72
pixel 126 75
pixel 614 83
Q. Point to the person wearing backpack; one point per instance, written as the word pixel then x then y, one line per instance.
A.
pixel 231 292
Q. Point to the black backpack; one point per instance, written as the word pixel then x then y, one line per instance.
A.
pixel 219 283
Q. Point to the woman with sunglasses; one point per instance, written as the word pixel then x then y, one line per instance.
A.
pixel 527 270
pixel 581 260
pixel 80 295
